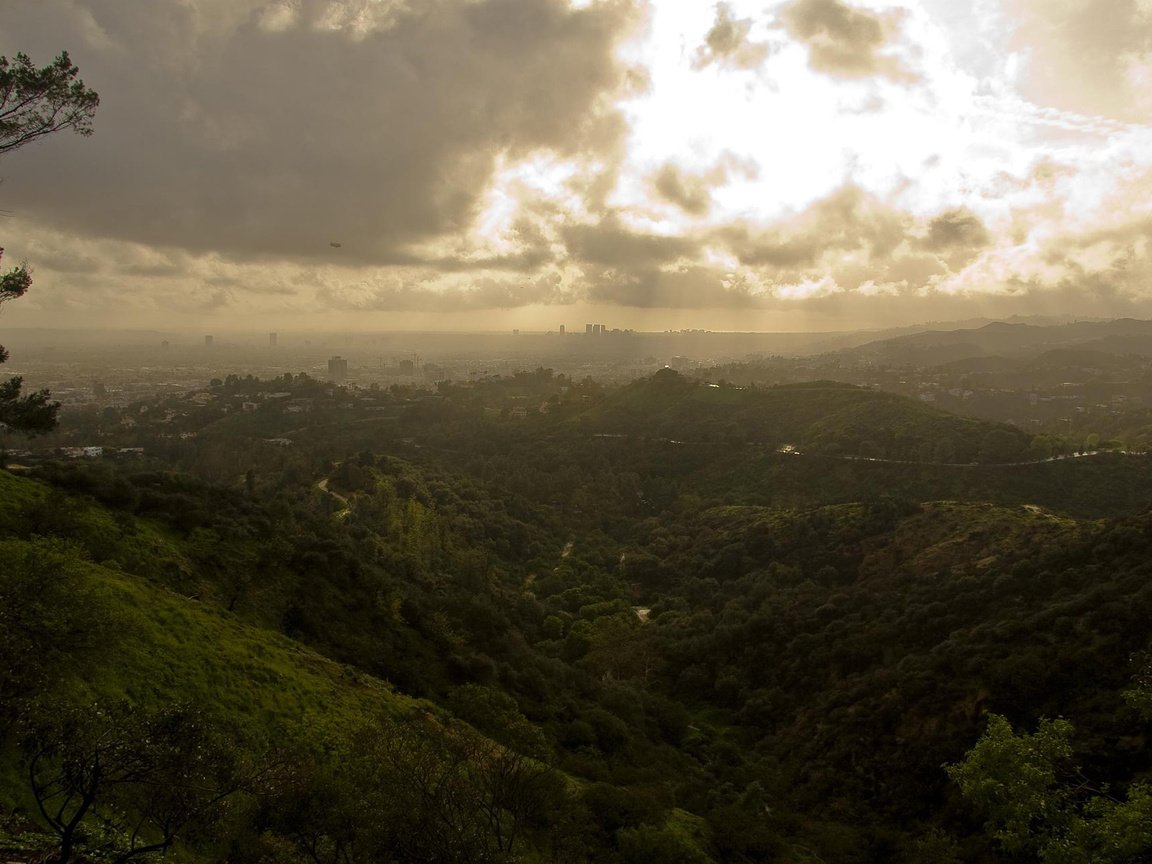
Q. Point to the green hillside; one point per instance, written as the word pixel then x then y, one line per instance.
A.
pixel 106 667
pixel 818 417
pixel 661 631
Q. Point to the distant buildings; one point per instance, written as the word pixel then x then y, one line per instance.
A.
pixel 562 331
pixel 588 329
pixel 272 340
pixel 208 341
pixel 338 370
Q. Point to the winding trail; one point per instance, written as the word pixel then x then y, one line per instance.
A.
pixel 345 504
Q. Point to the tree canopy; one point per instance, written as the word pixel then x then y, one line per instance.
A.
pixel 35 102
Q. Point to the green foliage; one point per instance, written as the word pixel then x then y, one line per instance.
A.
pixel 52 619
pixel 823 417
pixel 415 790
pixel 648 843
pixel 1039 805
pixel 35 102
pixel 32 414
pixel 1013 780
pixel 13 284
pixel 823 631
pixel 124 782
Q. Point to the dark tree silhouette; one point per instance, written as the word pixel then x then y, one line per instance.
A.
pixel 35 102
pixel 35 413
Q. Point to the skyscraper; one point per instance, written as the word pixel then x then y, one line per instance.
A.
pixel 338 370
pixel 272 340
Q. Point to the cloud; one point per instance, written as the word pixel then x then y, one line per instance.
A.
pixel 688 192
pixel 956 229
pixel 728 44
pixel 691 191
pixel 848 241
pixel 1087 56
pixel 846 42
pixel 848 220
pixel 611 244
pixel 265 131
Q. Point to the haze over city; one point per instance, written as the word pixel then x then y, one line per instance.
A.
pixel 378 165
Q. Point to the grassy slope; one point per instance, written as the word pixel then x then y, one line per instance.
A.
pixel 170 648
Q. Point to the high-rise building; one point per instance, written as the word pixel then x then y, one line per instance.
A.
pixel 207 340
pixel 272 340
pixel 587 329
pixel 603 328
pixel 561 329
pixel 338 370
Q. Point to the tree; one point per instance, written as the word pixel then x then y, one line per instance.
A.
pixel 122 782
pixel 51 618
pixel 34 103
pixel 37 102
pixel 1040 807
pixel 35 413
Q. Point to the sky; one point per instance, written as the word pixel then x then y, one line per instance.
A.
pixel 648 164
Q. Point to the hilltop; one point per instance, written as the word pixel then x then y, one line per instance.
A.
pixel 822 417
pixel 1119 337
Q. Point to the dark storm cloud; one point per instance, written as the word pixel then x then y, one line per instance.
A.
pixel 610 244
pixel 727 43
pixel 847 42
pixel 274 143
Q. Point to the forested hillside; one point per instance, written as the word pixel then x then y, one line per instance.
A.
pixel 666 622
